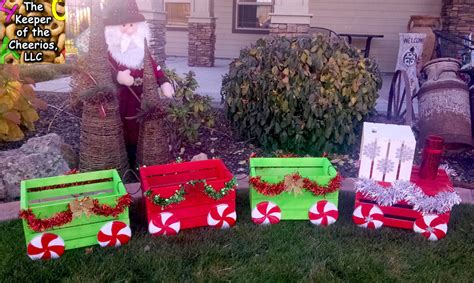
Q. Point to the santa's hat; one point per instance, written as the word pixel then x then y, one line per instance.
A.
pixel 122 12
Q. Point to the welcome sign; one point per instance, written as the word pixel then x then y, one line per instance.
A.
pixel 409 56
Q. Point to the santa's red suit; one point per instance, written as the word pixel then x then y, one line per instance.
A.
pixel 129 103
pixel 125 33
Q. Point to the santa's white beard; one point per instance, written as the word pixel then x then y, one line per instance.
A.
pixel 127 50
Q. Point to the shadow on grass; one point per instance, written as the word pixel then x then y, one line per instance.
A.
pixel 289 251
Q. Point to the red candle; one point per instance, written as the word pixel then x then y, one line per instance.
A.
pixel 431 157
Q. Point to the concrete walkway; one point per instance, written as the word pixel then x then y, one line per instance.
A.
pixel 9 211
pixel 209 80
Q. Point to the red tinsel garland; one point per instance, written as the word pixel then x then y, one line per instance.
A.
pixel 65 217
pixel 265 188
pixel 268 189
pixel 40 225
pixel 106 210
pixel 317 190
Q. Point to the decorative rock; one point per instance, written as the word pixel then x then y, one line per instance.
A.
pixel 40 157
pixel 200 157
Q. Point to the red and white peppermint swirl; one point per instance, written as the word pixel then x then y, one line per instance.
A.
pixel 323 213
pixel 222 216
pixel 368 216
pixel 266 213
pixel 432 227
pixel 114 234
pixel 164 223
pixel 46 246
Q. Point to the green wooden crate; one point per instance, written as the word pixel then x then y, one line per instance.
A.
pixel 293 207
pixel 104 186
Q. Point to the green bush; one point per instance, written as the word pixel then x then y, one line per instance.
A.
pixel 187 112
pixel 305 95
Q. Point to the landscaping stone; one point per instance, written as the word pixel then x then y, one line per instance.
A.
pixel 40 157
pixel 200 157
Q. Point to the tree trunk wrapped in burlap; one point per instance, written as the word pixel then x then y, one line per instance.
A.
pixel 102 140
pixel 153 146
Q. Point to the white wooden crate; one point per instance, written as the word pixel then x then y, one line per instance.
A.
pixel 386 152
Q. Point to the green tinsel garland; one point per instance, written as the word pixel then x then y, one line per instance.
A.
pixel 211 192
pixel 177 197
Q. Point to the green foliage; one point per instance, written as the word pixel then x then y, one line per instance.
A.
pixel 189 111
pixel 305 95
pixel 18 104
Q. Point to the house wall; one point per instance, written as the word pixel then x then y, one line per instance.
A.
pixel 387 17
pixel 228 44
pixel 176 43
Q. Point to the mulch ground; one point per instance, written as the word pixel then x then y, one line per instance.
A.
pixel 222 142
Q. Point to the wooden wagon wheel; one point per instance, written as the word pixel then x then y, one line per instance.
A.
pixel 400 100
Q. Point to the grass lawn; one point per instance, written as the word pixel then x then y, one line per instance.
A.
pixel 289 251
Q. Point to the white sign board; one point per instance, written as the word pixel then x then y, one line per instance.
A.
pixel 386 152
pixel 409 56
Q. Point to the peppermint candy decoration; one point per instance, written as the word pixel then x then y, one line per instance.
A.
pixel 323 213
pixel 46 246
pixel 431 226
pixel 114 234
pixel 222 216
pixel 164 223
pixel 266 213
pixel 368 216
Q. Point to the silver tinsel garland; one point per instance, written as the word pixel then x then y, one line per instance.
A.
pixel 409 192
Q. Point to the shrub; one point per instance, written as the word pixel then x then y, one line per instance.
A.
pixel 189 111
pixel 305 95
pixel 18 104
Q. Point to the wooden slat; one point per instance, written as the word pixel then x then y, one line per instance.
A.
pixel 288 162
pixel 281 172
pixel 65 192
pixel 68 179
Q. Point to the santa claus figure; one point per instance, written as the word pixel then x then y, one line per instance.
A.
pixel 125 33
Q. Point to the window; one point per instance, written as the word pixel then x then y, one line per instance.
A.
pixel 177 14
pixel 252 16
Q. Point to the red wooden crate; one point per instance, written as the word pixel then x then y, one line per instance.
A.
pixel 403 215
pixel 197 209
